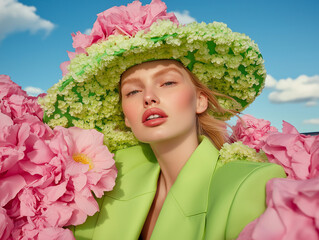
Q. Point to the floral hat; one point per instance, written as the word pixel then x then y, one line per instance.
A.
pixel 88 94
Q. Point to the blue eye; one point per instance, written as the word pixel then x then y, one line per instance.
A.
pixel 132 93
pixel 169 83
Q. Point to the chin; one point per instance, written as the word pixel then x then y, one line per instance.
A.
pixel 154 138
pixel 161 137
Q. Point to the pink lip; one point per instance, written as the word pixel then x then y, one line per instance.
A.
pixel 156 121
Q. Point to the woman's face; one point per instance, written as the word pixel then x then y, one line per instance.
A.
pixel 160 102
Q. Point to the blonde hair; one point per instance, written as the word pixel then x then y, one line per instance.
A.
pixel 214 129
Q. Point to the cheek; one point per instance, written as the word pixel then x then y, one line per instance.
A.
pixel 185 100
pixel 129 110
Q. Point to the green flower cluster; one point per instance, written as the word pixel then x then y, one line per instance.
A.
pixel 239 151
pixel 88 96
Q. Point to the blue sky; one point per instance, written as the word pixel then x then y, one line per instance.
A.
pixel 35 35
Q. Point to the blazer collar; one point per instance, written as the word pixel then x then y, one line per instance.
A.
pixel 139 171
pixel 193 181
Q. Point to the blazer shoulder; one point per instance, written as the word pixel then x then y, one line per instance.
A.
pixel 237 195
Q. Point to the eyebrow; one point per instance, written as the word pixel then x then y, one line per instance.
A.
pixel 174 69
pixel 122 83
pixel 160 72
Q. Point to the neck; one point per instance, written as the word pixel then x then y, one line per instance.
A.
pixel 172 155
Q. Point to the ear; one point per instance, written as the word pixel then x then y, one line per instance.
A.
pixel 202 103
pixel 127 123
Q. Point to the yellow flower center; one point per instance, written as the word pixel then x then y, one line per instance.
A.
pixel 82 158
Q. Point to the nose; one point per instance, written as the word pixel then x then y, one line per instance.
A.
pixel 150 98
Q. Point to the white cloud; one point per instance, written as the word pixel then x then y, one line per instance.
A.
pixel 17 17
pixel 33 91
pixel 301 89
pixel 184 17
pixel 270 82
pixel 311 103
pixel 312 121
pixel 88 31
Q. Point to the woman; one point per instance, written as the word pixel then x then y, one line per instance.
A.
pixel 171 184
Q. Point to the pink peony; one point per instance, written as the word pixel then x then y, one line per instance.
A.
pixel 15 102
pixel 124 20
pixel 46 176
pixel 297 153
pixel 292 212
pixel 8 88
pixel 17 106
pixel 60 174
pixel 251 131
pixel 89 165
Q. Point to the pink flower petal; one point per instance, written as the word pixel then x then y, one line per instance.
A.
pixel 78 216
pixel 292 212
pixel 9 188
pixel 9 88
pixel 28 202
pixel 53 193
pixel 57 214
pixel 41 153
pixel 55 234
pixel 6 225
pixel 86 202
pixel 5 121
pixel 288 128
pixel 64 67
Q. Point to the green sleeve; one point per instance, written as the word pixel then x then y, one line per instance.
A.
pixel 237 197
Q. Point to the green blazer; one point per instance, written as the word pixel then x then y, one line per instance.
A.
pixel 205 202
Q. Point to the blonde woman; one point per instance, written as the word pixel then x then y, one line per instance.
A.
pixel 161 93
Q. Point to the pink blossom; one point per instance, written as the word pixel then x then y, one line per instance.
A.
pixel 17 106
pixel 297 153
pixel 15 102
pixel 89 165
pixel 46 176
pixel 124 20
pixel 8 88
pixel 6 225
pixel 292 212
pixel 252 131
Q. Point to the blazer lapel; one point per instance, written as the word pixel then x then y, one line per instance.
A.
pixel 184 210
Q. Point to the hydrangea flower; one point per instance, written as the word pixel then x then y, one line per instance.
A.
pixel 239 152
